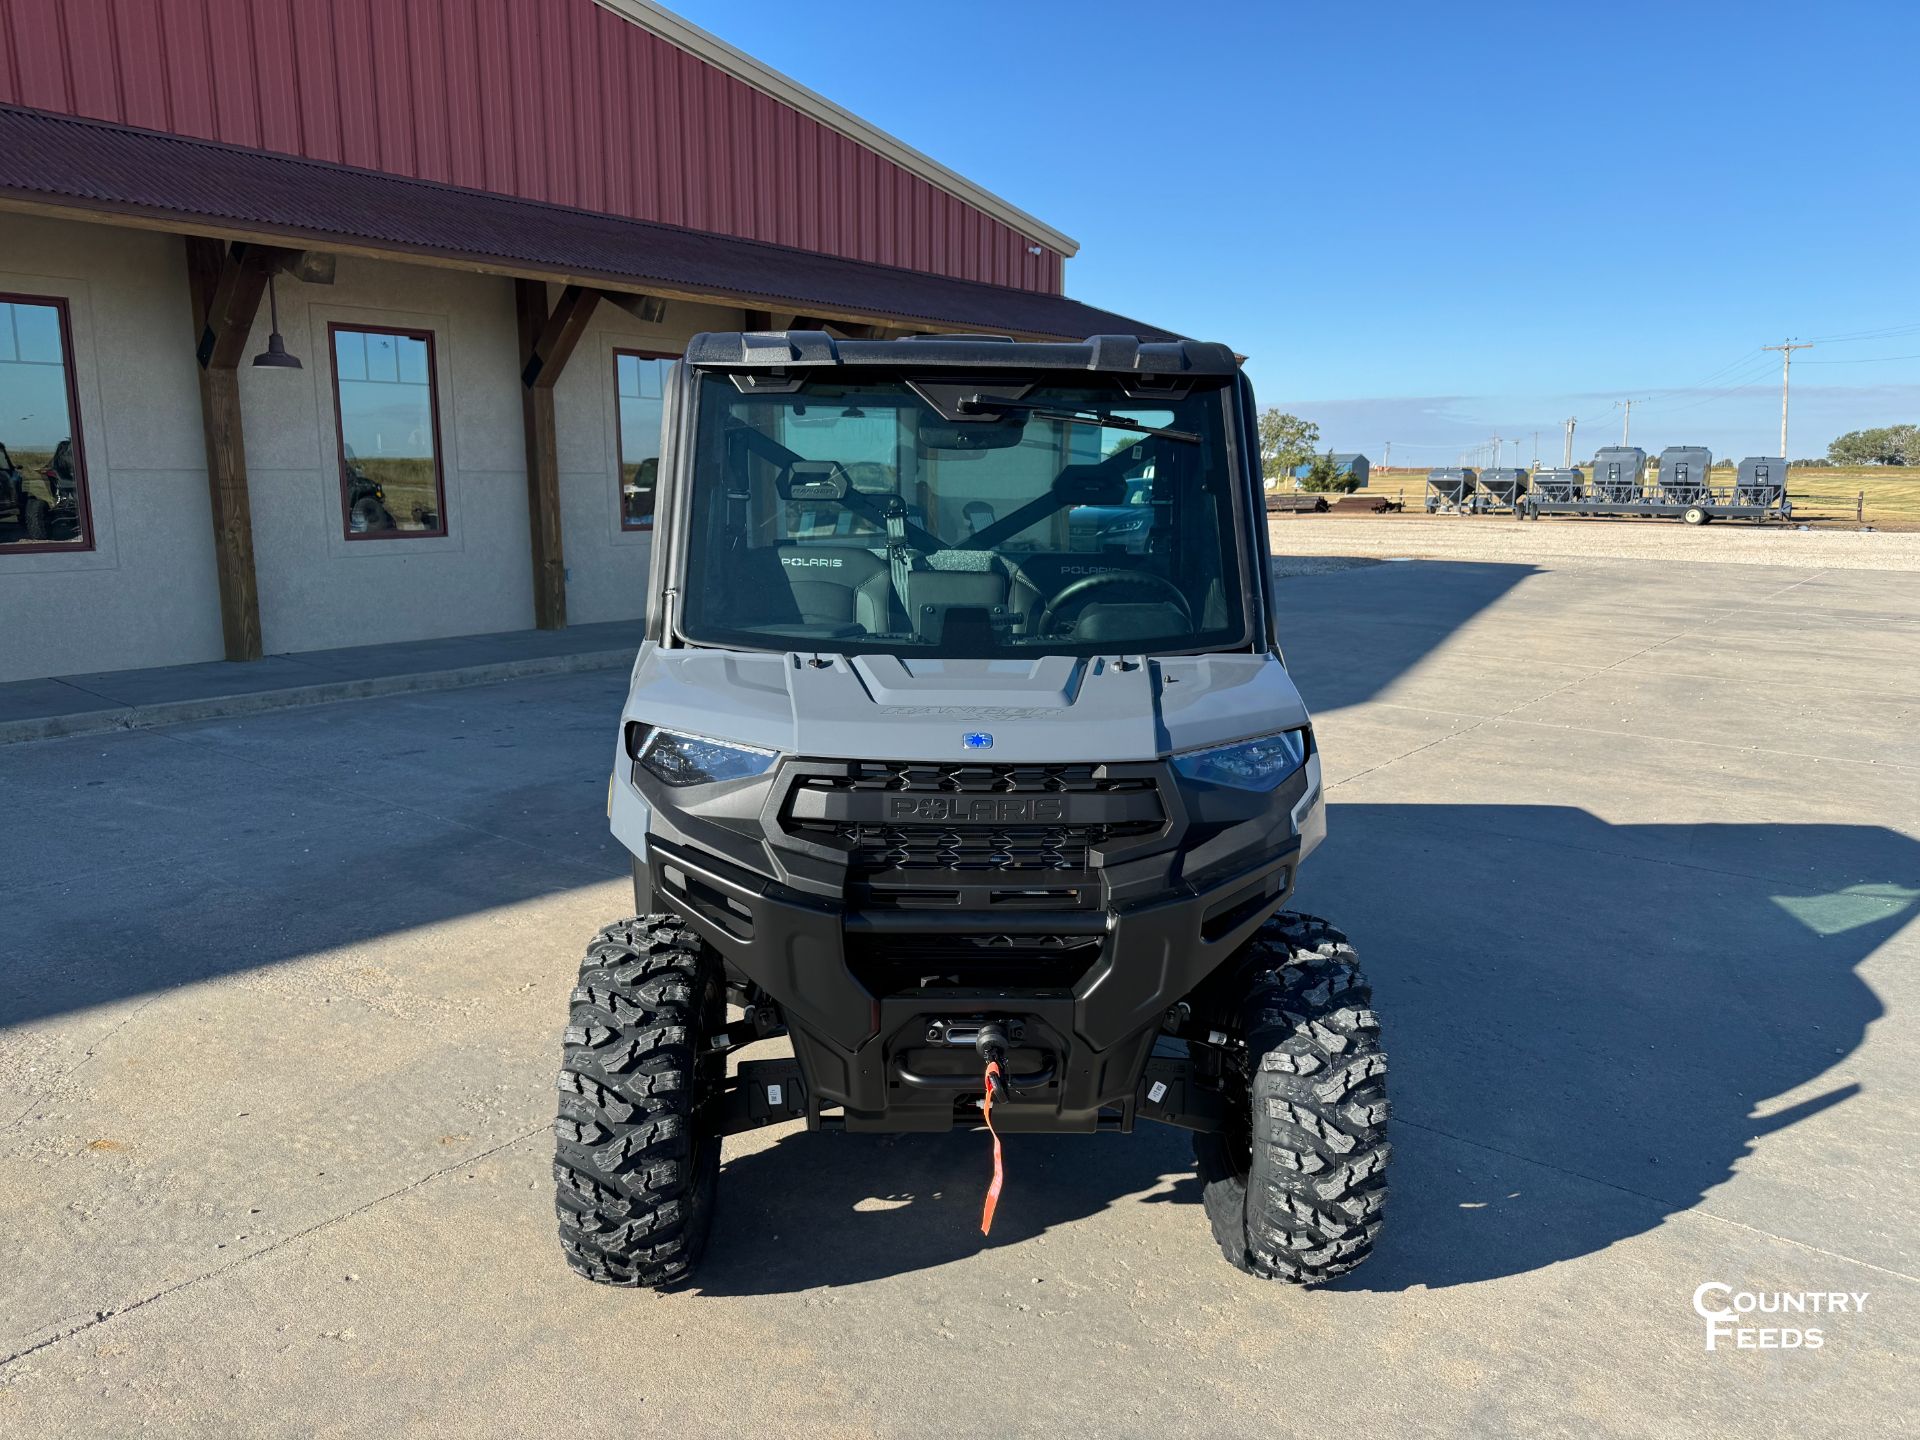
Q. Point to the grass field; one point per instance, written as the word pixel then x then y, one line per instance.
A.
pixel 409 487
pixel 1887 496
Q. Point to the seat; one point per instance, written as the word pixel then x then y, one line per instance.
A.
pixel 824 590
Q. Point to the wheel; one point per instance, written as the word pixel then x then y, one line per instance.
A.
pixel 637 1153
pixel 369 516
pixel 36 517
pixel 1294 1190
pixel 1695 515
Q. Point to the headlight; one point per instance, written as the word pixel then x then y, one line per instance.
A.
pixel 1247 764
pixel 1129 525
pixel 677 759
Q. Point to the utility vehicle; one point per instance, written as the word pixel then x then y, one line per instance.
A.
pixel 992 818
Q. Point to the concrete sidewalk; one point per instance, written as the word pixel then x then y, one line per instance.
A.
pixel 136 699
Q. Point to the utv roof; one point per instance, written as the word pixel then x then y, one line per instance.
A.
pixel 1110 354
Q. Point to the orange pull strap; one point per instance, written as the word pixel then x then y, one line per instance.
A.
pixel 999 1173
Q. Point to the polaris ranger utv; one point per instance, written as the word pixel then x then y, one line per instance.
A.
pixel 992 818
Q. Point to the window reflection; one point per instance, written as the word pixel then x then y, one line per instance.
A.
pixel 640 383
pixel 390 480
pixel 43 488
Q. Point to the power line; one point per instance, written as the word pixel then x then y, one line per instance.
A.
pixel 1854 336
pixel 1867 360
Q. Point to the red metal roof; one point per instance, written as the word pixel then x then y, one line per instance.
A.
pixel 198 184
pixel 550 100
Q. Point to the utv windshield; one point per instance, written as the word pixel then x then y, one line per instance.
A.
pixel 963 519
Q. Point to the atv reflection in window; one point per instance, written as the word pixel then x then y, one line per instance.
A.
pixel 40 497
pixel 367 508
pixel 963 519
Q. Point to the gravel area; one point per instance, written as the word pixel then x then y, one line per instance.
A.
pixel 1300 539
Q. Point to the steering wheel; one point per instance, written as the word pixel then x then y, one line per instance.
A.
pixel 1110 579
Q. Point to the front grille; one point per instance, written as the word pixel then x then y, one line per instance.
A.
pixel 928 847
pixel 956 844
pixel 972 837
pixel 930 779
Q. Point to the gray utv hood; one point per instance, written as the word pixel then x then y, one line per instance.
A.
pixel 1041 710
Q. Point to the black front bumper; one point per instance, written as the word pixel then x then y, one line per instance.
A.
pixel 1080 953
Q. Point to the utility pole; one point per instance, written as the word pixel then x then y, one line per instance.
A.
pixel 1626 423
pixel 1536 449
pixel 1567 459
pixel 1786 349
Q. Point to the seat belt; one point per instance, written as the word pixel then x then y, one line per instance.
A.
pixel 899 556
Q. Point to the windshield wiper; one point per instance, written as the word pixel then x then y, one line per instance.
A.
pixel 987 405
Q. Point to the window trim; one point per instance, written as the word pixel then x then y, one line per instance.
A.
pixel 340 438
pixel 643 527
pixel 88 541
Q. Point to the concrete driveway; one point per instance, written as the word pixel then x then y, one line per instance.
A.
pixel 1632 851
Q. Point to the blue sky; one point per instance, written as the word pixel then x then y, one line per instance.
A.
pixel 1433 223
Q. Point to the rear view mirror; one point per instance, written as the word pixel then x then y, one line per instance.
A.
pixel 971 434
pixel 814 480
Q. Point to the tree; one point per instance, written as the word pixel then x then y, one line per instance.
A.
pixel 1324 475
pixel 1885 445
pixel 1285 441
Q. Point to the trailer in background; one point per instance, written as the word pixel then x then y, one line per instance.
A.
pixel 1450 491
pixel 1559 486
pixel 1762 480
pixel 1500 490
pixel 1683 488
pixel 1619 475
pixel 1686 475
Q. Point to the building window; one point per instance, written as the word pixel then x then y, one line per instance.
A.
pixel 389 421
pixel 640 382
pixel 43 473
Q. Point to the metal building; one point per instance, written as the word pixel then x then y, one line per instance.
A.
pixel 343 322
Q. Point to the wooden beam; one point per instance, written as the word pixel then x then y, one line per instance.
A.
pixel 215 287
pixel 543 458
pixel 228 316
pixel 548 355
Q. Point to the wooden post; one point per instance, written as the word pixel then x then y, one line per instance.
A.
pixel 225 287
pixel 547 339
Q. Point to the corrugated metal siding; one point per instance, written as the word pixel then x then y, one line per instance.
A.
pixel 551 100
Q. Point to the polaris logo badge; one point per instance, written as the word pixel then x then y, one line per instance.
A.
pixel 1091 570
pixel 999 809
pixel 977 740
pixel 802 562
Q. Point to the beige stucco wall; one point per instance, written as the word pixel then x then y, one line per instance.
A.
pixel 147 595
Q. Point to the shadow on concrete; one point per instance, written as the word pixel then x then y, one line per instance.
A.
pixel 147 861
pixel 1587 1035
pixel 1349 634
